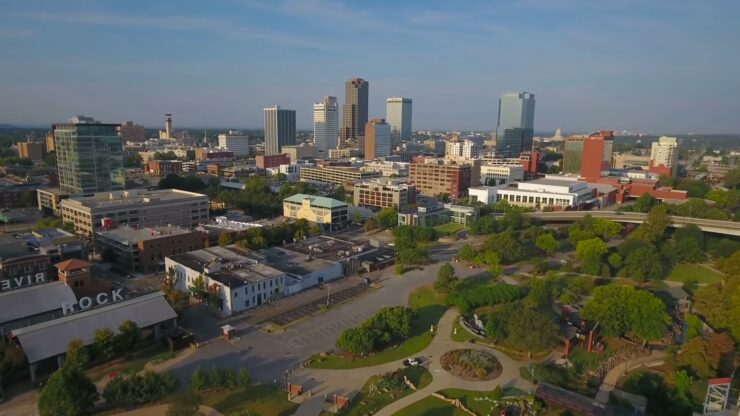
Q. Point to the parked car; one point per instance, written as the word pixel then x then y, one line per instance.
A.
pixel 410 362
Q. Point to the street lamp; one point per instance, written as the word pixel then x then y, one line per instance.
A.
pixel 328 289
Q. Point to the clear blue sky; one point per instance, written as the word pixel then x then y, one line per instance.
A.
pixel 644 65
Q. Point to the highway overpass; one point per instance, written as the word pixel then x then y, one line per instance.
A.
pixel 710 226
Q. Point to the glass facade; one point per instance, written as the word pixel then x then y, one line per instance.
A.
pixel 89 158
pixel 515 129
pixel 573 156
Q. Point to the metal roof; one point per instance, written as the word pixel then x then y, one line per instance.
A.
pixel 33 300
pixel 316 201
pixel 51 338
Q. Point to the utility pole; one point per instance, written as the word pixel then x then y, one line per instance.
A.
pixel 328 289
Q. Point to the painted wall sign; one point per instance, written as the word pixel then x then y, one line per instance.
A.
pixel 21 281
pixel 87 301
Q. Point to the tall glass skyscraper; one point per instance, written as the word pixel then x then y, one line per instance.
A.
pixel 515 129
pixel 89 156
pixel 279 129
pixel 354 111
pixel 326 125
pixel 398 115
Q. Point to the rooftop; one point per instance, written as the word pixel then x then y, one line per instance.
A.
pixel 316 201
pixel 130 235
pixel 231 265
pixel 133 196
pixel 51 338
pixel 295 263
pixel 72 264
pixel 328 248
pixel 33 300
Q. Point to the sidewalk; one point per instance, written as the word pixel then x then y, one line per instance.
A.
pixel 612 377
pixel 161 409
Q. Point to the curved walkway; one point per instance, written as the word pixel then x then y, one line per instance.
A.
pixel 161 409
pixel 350 381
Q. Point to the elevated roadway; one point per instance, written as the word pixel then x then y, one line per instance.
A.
pixel 711 226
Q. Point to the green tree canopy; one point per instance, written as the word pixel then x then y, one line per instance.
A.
pixel 622 310
pixel 68 392
pixel 547 243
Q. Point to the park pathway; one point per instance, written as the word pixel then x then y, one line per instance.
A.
pixel 612 376
pixel 348 382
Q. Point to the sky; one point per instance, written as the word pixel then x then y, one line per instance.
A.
pixel 655 66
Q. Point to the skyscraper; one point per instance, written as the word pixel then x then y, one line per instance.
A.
pixel 377 139
pixel 354 111
pixel 515 129
pixel 279 129
pixel 398 115
pixel 326 125
pixel 597 154
pixel 89 156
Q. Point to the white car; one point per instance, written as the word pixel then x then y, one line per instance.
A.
pixel 411 362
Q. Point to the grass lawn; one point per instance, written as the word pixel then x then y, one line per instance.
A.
pixel 264 399
pixel 365 403
pixel 428 307
pixel 132 364
pixel 686 272
pixel 436 407
pixel 450 228
pixel 462 334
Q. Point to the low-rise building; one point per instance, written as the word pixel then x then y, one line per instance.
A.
pixel 163 167
pixel 300 152
pixel 628 161
pixel 31 150
pixel 492 175
pixel 143 250
pixel 50 199
pixel 237 277
pixel 58 244
pixel 16 194
pixel 343 153
pixel 335 174
pixel 204 153
pixel 32 304
pixel 384 194
pixel 540 193
pixel 131 132
pixel 302 271
pixel 324 211
pixel 135 207
pixel 386 168
pixel 434 177
pixel 437 213
pixel 234 141
pixel 272 161
pixel 20 265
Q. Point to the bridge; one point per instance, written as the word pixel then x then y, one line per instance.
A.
pixel 711 226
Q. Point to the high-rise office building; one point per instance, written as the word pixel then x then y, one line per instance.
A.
pixel 664 156
pixel 235 142
pixel 515 129
pixel 326 125
pixel 279 129
pixel 597 154
pixel 398 115
pixel 377 139
pixel 354 111
pixel 89 156
pixel 573 154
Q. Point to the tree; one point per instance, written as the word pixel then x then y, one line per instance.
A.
pixel 242 378
pixel 654 226
pixel 105 343
pixel 645 264
pixel 644 203
pixel 732 178
pixel 76 355
pixel 467 253
pixel 68 392
pixel 622 310
pixel 357 341
pixel 199 286
pixel 694 356
pixel 540 294
pixel 446 279
pixel 713 304
pixel 225 238
pixel 186 403
pixel 199 381
pixel 547 243
pixel 506 245
pixel 177 299
pixel 490 259
pixel 590 252
pixel 606 229
pixel 614 260
pixel 129 336
pixel 387 217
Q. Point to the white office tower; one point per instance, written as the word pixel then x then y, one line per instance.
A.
pixel 279 129
pixel 664 155
pixel 398 116
pixel 326 124
pixel 465 149
pixel 234 141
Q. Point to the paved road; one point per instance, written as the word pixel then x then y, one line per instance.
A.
pixel 268 356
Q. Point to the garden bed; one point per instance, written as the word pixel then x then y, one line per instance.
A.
pixel 472 365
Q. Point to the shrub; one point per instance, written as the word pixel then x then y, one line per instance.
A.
pixel 469 299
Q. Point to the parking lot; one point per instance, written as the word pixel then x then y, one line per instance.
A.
pixel 316 306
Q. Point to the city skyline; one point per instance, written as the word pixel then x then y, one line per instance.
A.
pixel 622 65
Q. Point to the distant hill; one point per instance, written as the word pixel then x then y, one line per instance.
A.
pixel 7 126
